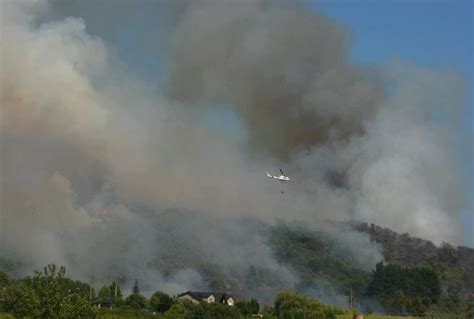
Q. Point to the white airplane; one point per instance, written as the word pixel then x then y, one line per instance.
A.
pixel 281 178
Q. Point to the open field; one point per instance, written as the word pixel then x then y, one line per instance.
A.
pixel 435 316
pixel 379 317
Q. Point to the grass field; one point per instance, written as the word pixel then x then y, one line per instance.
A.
pixel 379 317
pixel 429 316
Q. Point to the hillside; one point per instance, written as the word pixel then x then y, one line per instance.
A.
pixel 253 259
pixel 455 265
pixel 319 260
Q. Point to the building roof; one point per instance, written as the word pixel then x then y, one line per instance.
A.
pixel 102 301
pixel 199 295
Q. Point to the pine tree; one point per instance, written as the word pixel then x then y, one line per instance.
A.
pixel 136 290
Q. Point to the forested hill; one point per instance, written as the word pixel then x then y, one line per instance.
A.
pixel 455 265
pixel 292 255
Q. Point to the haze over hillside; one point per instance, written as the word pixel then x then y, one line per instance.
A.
pixel 114 175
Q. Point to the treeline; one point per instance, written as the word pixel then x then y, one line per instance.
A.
pixel 404 290
pixel 317 258
pixel 50 294
pixel 415 290
pixel 452 264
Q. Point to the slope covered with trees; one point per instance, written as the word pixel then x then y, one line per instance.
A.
pixel 416 276
pixel 318 259
pixel 454 265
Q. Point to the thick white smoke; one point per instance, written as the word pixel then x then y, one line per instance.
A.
pixel 91 156
pixel 374 145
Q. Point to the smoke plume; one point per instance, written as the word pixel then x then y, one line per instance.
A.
pixel 97 165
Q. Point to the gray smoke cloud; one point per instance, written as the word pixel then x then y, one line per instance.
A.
pixel 360 151
pixel 283 71
pixel 96 165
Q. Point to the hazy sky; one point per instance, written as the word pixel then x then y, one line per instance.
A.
pixel 118 111
pixel 435 33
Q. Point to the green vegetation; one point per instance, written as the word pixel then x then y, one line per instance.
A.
pixel 452 264
pixel 418 279
pixel 160 302
pixel 248 307
pixel 124 313
pixel 414 288
pixel 289 304
pixel 178 311
pixel 403 289
pixel 379 317
pixel 49 294
pixel 3 279
pixel 317 257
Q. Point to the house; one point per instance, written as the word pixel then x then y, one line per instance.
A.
pixel 209 297
pixel 102 303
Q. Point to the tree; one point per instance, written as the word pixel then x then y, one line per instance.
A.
pixel 3 279
pixel 401 289
pixel 160 302
pixel 248 307
pixel 290 304
pixel 242 305
pixel 116 294
pixel 136 290
pixel 104 293
pixel 76 307
pixel 136 301
pixel 58 296
pixel 115 291
pixel 214 310
pixel 178 311
pixel 21 300
pixel 253 306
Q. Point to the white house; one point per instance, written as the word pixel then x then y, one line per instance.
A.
pixel 209 297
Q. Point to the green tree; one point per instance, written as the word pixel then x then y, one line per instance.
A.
pixel 58 296
pixel 21 300
pixel 248 307
pixel 116 292
pixel 243 307
pixel 136 289
pixel 254 306
pixel 104 293
pixel 178 311
pixel 289 304
pixel 48 286
pixel 268 312
pixel 416 306
pixel 136 301
pixel 160 302
pixel 76 307
pixel 214 310
pixel 3 279
pixel 400 289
